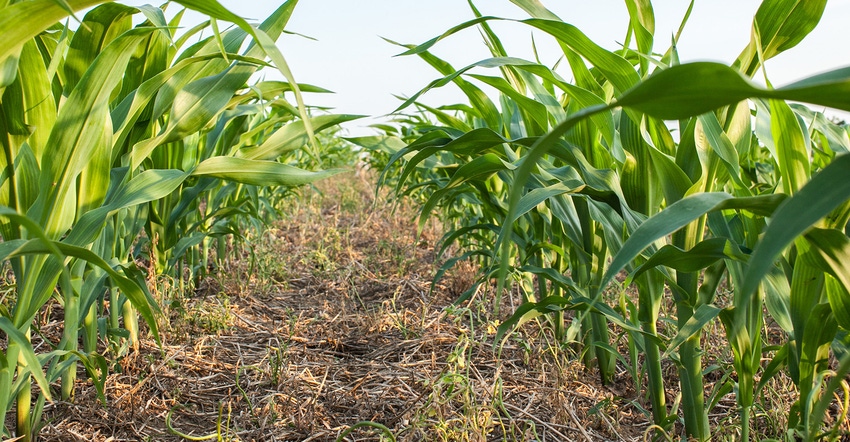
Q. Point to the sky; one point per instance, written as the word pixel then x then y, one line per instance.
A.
pixel 348 55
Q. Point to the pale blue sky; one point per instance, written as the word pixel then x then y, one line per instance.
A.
pixel 350 58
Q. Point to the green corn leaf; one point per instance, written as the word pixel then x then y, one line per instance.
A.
pixel 739 128
pixel 531 199
pixel 702 316
pixel 428 44
pixel 616 69
pixel 778 25
pixel 774 367
pixel 203 50
pixel 446 118
pixel 841 346
pixel 636 178
pixel 479 169
pixel 530 310
pixel 6 373
pixel 158 52
pixel 552 275
pixel 680 92
pixel 674 93
pixel 826 191
pixel 642 19
pixel 831 254
pixel 34 230
pixel 271 88
pixel 38 16
pixel 694 88
pixel 497 49
pixel 777 298
pixel 272 27
pixel 839 301
pixel 686 90
pixel 183 245
pixel 471 143
pixel 259 173
pixel 99 27
pixel 526 312
pixel 27 173
pixel 9 67
pixel 451 262
pixel 455 77
pixel 535 9
pixel 678 215
pixel 830 89
pixel 523 172
pixel 15 130
pixel 98 370
pixel 82 124
pixel 451 236
pixel 674 181
pixel 709 126
pixel 784 23
pixel 480 101
pixel 93 181
pixel 142 302
pixel 702 255
pixel 147 186
pixel 836 137
pixel 746 349
pixel 33 365
pixel 156 16
pixel 537 111
pixel 820 331
pixel 162 86
pixel 382 143
pixel 792 151
pixel 290 137
pixel 38 103
pixel 194 107
pixel 197 103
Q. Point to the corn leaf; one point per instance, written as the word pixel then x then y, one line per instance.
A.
pixel 678 215
pixel 702 255
pixel 38 16
pixel 695 324
pixel 826 191
pixel 82 124
pixel 99 27
pixel 790 142
pixel 194 107
pixel 38 102
pixel 290 137
pixel 33 365
pixel 260 173
pixel 778 25
pixel 142 302
pixel 147 186
pixel 831 254
pixel 642 22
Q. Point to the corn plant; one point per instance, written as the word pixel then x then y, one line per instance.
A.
pixel 102 124
pixel 592 181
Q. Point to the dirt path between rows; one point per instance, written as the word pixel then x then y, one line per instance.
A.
pixel 334 325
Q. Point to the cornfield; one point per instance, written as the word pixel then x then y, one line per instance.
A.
pixel 627 210
pixel 120 140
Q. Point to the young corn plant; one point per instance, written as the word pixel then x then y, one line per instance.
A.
pixel 92 119
pixel 590 170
